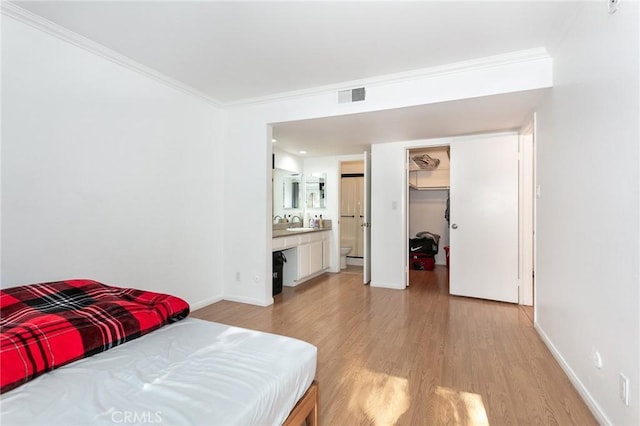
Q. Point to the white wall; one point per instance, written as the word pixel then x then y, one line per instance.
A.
pixel 247 139
pixel 587 277
pixel 106 174
pixel 389 214
pixel 286 161
pixel 426 213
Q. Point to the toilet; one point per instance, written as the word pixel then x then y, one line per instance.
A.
pixel 344 251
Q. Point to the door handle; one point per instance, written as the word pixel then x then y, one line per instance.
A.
pixel 454 226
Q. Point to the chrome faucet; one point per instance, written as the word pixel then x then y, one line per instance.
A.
pixel 293 219
pixel 277 219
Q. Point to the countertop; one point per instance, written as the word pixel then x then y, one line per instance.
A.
pixel 284 233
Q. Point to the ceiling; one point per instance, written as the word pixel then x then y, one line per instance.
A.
pixel 353 134
pixel 234 51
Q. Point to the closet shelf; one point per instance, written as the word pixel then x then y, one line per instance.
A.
pixel 428 188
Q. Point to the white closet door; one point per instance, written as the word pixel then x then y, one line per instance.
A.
pixel 484 218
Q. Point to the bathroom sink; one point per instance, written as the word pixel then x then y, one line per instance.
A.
pixel 300 229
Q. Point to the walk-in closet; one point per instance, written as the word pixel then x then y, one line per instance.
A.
pixel 428 206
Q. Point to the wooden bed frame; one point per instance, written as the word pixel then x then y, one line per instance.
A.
pixel 306 409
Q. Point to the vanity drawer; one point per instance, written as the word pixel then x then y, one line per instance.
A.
pixel 304 239
pixel 316 236
pixel 290 242
pixel 282 243
pixel 277 244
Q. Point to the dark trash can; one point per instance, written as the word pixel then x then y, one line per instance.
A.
pixel 278 265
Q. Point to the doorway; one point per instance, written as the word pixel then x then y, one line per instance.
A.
pixel 428 200
pixel 352 175
pixel 490 242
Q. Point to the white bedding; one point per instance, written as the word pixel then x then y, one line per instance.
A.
pixel 191 372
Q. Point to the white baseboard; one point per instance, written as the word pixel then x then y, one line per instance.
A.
pixel 305 279
pixel 205 302
pixel 582 390
pixel 248 300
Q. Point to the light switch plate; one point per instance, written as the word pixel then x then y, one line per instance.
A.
pixel 624 388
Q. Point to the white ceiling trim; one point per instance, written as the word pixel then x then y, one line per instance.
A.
pixel 16 12
pixel 520 56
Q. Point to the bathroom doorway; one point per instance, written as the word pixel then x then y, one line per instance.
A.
pixel 352 179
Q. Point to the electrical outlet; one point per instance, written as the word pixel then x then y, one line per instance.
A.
pixel 238 276
pixel 624 388
pixel 256 278
pixel 596 358
pixel 612 6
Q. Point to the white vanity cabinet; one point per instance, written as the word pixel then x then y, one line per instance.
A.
pixel 315 256
pixel 307 255
pixel 303 261
pixel 326 253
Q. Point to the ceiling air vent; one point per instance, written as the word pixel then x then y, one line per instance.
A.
pixel 351 95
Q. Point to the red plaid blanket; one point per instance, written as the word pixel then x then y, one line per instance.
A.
pixel 45 326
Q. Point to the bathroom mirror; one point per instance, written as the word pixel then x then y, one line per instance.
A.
pixel 287 191
pixel 315 190
pixel 291 191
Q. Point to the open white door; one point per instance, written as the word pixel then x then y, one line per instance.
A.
pixel 526 209
pixel 484 218
pixel 366 223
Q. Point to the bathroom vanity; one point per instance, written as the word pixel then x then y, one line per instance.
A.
pixel 307 251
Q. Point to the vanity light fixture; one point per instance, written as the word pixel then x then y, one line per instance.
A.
pixel 274 140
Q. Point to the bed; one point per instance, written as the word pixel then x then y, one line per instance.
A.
pixel 185 371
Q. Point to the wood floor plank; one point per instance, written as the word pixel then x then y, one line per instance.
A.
pixel 418 356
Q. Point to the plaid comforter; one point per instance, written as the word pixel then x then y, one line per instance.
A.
pixel 45 326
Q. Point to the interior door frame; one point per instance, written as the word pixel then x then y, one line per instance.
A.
pixel 406 217
pixel 342 160
pixel 366 225
pixel 526 214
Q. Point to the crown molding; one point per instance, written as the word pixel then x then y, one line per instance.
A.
pixel 520 56
pixel 16 12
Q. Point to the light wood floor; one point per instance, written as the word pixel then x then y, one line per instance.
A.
pixel 416 357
